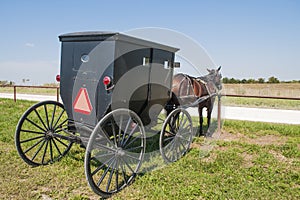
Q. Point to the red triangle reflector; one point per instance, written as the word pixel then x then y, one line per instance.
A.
pixel 82 103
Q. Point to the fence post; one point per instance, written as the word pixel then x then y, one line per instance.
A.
pixel 57 94
pixel 219 113
pixel 15 93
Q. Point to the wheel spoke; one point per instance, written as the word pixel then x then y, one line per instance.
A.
pixel 53 114
pixel 29 131
pixel 170 132
pixel 117 174
pixel 57 120
pixel 104 174
pixel 180 143
pixel 39 116
pixel 124 174
pixel 130 134
pixel 46 115
pixel 58 126
pixel 180 119
pixel 28 140
pixel 101 166
pixel 120 129
pixel 103 155
pixel 56 147
pixel 183 122
pixel 114 131
pixel 34 124
pixel 130 156
pixel 131 142
pixel 37 143
pixel 128 165
pixel 110 176
pixel 60 142
pixel 39 149
pixel 126 128
pixel 169 138
pixel 134 148
pixel 51 150
pixel 182 138
pixel 105 147
pixel 45 151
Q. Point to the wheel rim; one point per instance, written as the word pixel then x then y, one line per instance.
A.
pixel 39 134
pixel 176 135
pixel 115 152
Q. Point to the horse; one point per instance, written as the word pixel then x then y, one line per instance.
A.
pixel 196 91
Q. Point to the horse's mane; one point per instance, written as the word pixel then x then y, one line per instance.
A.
pixel 208 77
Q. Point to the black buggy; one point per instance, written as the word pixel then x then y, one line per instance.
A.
pixel 113 88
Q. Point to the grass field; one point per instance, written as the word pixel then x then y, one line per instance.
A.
pixel 261 103
pixel 249 161
pixel 21 90
pixel 277 90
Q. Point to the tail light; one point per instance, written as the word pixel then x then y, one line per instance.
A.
pixel 108 83
pixel 106 80
pixel 57 78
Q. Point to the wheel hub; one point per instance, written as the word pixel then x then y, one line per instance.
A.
pixel 120 152
pixel 49 134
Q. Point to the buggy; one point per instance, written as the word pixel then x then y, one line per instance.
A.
pixel 113 88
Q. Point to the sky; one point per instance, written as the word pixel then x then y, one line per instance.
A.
pixel 249 39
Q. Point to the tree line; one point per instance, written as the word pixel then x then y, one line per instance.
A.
pixel 271 79
pixel 7 83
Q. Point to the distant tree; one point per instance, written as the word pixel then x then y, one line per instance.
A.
pixel 3 82
pixel 261 80
pixel 295 81
pixel 225 80
pixel 251 80
pixel 232 80
pixel 273 79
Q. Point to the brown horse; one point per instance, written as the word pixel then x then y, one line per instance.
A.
pixel 201 91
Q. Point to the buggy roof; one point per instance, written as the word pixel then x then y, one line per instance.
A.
pixel 112 36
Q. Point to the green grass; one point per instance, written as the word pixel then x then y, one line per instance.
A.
pixel 21 90
pixel 250 161
pixel 261 103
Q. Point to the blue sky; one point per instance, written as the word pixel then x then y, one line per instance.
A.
pixel 250 39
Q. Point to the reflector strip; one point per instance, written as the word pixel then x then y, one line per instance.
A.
pixel 82 103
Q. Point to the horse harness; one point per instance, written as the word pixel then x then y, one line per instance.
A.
pixel 190 80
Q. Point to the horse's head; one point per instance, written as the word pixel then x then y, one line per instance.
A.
pixel 215 77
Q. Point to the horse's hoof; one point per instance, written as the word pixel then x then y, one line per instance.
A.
pixel 208 134
pixel 200 134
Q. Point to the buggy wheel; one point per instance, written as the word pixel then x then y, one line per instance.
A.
pixel 40 136
pixel 115 152
pixel 176 135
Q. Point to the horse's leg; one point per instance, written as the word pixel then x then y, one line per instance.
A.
pixel 200 108
pixel 209 111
